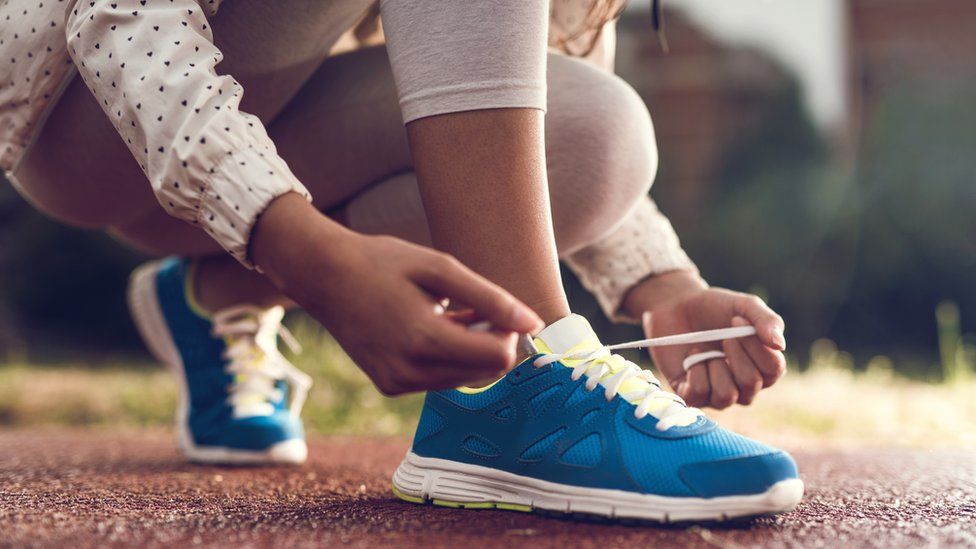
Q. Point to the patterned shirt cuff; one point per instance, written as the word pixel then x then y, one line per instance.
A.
pixel 644 245
pixel 240 188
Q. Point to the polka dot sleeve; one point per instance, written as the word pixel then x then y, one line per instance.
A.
pixel 151 66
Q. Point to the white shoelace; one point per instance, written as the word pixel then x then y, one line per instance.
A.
pixel 255 363
pixel 598 362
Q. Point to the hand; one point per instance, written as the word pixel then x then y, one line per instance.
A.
pixel 681 302
pixel 380 298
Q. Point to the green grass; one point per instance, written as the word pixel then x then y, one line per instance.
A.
pixel 828 405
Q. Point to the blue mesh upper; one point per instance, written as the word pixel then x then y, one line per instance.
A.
pixel 480 447
pixel 507 412
pixel 585 453
pixel 541 446
pixel 577 396
pixel 540 399
pixel 654 465
pixel 430 423
pixel 477 400
pixel 545 426
pixel 588 416
pixel 210 418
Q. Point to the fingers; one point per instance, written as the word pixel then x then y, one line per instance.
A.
pixel 445 276
pixel 436 359
pixel 441 338
pixel 724 392
pixel 744 371
pixel 490 351
pixel 435 351
pixel 666 359
pixel 770 363
pixel 448 338
pixel 435 376
pixel 769 325
pixel 465 316
pixel 696 389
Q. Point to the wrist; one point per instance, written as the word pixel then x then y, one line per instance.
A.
pixel 282 236
pixel 658 290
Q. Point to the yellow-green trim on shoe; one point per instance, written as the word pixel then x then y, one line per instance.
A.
pixel 405 497
pixel 463 504
pixel 189 291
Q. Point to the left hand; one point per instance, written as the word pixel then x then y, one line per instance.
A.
pixel 681 302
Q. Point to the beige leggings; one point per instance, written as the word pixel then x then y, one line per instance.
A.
pixel 336 121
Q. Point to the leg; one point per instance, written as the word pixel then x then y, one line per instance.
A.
pixel 599 140
pixel 600 153
pixel 600 150
pixel 80 172
pixel 232 405
pixel 492 212
pixel 600 156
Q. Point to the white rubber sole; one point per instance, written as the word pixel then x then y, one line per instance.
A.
pixel 452 484
pixel 152 326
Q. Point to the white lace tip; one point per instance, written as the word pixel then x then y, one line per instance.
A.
pixel 528 344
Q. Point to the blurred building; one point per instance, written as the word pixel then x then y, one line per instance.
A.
pixel 701 94
pixel 908 43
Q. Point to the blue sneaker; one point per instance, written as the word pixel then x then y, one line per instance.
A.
pixel 576 429
pixel 234 384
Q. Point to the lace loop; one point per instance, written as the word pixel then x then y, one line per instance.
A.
pixel 254 361
pixel 602 367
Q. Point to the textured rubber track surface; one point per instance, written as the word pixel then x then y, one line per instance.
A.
pixel 85 488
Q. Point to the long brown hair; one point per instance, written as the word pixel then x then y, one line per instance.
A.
pixel 578 36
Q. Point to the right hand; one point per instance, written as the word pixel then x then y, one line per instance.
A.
pixel 380 298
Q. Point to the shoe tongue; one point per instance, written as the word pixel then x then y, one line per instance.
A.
pixel 567 333
pixel 572 334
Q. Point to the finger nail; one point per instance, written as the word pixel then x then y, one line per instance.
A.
pixel 646 320
pixel 779 339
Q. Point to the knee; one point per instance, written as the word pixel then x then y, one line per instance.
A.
pixel 601 148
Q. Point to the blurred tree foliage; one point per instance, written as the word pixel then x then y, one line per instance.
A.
pixel 61 289
pixel 916 198
pixel 864 255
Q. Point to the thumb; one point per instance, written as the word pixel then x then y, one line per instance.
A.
pixel 769 325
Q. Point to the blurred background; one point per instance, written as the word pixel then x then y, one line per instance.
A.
pixel 818 153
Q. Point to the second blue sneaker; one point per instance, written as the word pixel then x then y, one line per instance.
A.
pixel 239 398
pixel 577 429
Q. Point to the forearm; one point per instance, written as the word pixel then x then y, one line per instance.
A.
pixel 286 235
pixel 659 290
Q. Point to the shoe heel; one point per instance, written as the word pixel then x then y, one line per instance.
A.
pixel 417 483
pixel 148 317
